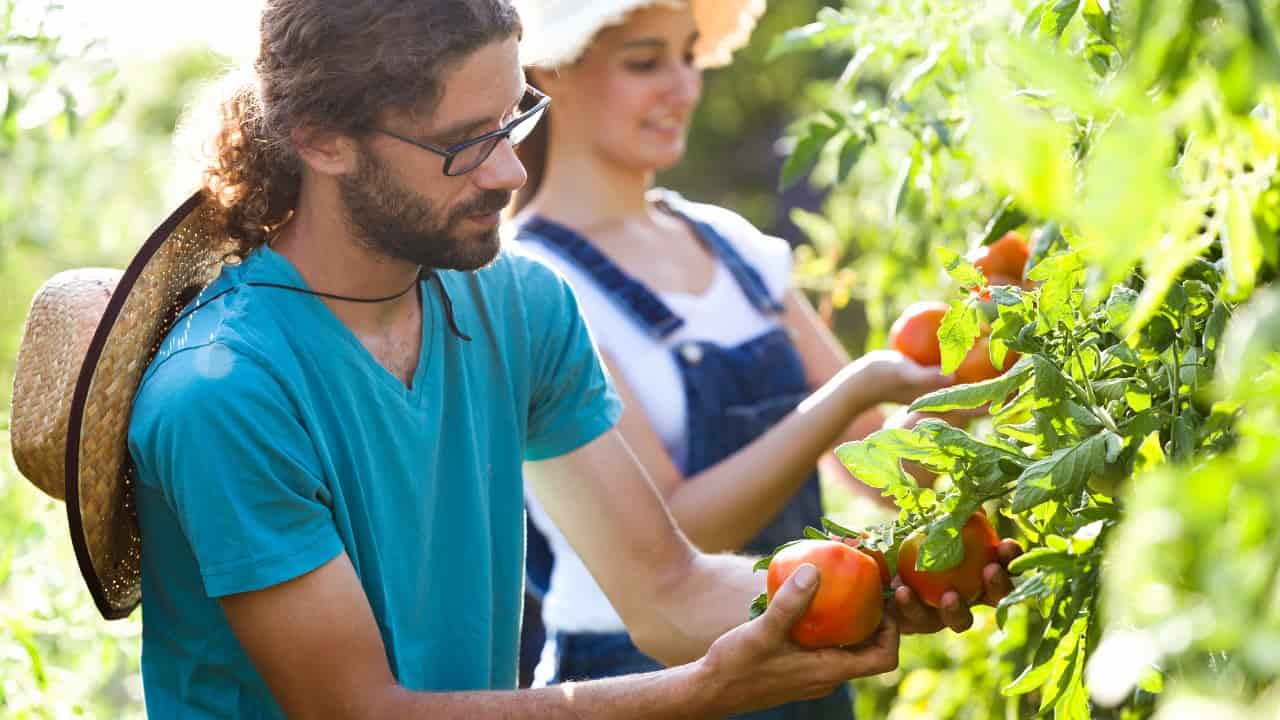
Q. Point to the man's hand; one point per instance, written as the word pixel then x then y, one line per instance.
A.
pixel 756 665
pixel 916 618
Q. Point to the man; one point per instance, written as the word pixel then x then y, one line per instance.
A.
pixel 329 443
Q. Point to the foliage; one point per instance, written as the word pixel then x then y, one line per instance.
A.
pixel 1138 142
pixel 85 171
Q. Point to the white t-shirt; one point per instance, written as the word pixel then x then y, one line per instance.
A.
pixel 722 315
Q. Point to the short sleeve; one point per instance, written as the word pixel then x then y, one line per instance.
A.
pixel 571 399
pixel 214 435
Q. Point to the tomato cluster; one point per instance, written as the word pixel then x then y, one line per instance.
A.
pixel 915 332
pixel 848 605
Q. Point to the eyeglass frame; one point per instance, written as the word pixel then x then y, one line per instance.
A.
pixel 450 152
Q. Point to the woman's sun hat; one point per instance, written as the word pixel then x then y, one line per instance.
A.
pixel 557 32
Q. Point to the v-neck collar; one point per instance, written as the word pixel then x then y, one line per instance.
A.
pixel 276 265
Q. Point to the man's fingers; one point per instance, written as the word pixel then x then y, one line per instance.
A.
pixel 883 650
pixel 879 654
pixel 791 600
pixel 955 614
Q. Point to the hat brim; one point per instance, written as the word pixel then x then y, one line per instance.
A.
pixel 555 37
pixel 178 259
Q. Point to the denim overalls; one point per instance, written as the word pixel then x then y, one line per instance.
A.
pixel 734 394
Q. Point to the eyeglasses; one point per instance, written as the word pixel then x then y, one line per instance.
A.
pixel 468 155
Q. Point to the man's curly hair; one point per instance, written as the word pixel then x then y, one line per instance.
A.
pixel 336 65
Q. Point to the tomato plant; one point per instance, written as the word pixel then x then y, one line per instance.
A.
pixel 1136 145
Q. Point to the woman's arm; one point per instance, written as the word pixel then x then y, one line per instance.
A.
pixel 724 506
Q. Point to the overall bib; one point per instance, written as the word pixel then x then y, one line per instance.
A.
pixel 733 395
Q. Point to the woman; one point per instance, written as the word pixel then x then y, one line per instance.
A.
pixel 733 387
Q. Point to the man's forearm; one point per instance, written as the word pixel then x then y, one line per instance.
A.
pixel 677 693
pixel 712 597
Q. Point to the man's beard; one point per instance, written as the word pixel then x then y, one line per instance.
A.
pixel 402 225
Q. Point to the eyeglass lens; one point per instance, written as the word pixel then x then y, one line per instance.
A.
pixel 473 156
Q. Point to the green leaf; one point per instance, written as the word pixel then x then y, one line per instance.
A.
pixel 1046 241
pixel 806 153
pixel 1119 307
pixel 901 185
pixel 1241 247
pixel 1006 217
pixel 835 528
pixel 811 533
pixel 1040 558
pixel 1062 474
pixel 1050 382
pixel 942 548
pixel 850 153
pixel 831 28
pixel 1062 275
pixel 966 397
pixel 960 269
pixel 1097 15
pixel 960 328
pixel 1031 678
pixel 1215 326
pixel 759 605
pixel 1036 587
pixel 873 465
pixel 1058 16
pixel 1034 17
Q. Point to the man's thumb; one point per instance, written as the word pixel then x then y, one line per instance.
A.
pixel 792 599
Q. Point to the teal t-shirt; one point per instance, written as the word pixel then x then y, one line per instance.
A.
pixel 268 440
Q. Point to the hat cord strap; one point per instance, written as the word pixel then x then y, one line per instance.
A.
pixel 422 274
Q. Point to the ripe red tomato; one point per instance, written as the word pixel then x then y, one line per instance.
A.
pixel 849 603
pixel 977 366
pixel 1005 257
pixel 979 540
pixel 885 574
pixel 915 332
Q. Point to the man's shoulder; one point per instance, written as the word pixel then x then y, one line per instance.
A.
pixel 200 375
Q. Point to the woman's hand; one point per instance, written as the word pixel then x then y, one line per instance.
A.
pixel 898 379
pixel 916 618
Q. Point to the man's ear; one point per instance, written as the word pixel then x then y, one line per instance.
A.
pixel 325 151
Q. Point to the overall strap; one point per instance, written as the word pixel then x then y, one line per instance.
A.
pixel 748 278
pixel 636 300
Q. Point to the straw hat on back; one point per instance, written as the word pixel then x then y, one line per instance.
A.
pixel 556 32
pixel 89 336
